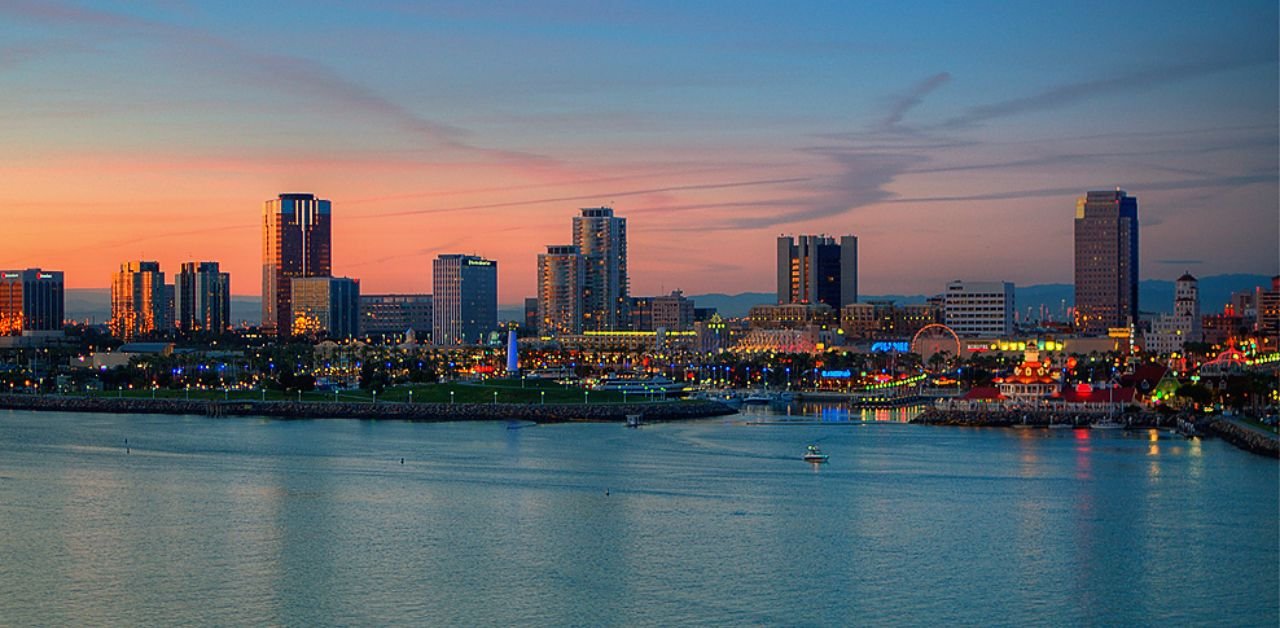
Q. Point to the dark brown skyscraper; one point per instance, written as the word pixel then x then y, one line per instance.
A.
pixel 295 243
pixel 1106 261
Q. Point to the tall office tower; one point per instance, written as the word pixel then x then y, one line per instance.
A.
pixel 815 269
pixel 465 295
pixel 326 307
pixel 203 296
pixel 601 238
pixel 1106 261
pixel 561 284
pixel 296 230
pixel 389 315
pixel 139 300
pixel 979 308
pixel 31 300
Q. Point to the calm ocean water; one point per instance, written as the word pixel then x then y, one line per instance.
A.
pixel 304 523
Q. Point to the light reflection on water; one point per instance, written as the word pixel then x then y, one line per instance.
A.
pixel 245 521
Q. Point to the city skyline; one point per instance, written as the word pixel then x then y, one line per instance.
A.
pixel 711 130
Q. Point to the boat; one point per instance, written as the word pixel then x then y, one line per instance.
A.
pixel 1106 425
pixel 636 384
pixel 815 455
pixel 633 420
pixel 759 397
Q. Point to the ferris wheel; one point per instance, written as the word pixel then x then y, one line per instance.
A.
pixel 935 338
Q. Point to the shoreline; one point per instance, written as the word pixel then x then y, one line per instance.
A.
pixel 418 412
pixel 1188 424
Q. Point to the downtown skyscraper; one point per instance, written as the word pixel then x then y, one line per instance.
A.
pixel 31 301
pixel 601 239
pixel 464 300
pixel 1106 274
pixel 296 242
pixel 139 300
pixel 202 294
pixel 817 269
pixel 561 281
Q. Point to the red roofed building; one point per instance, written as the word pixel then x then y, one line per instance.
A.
pixel 1030 381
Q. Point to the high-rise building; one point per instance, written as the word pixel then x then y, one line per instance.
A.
pixel 31 300
pixel 817 269
pixel 1106 274
pixel 601 239
pixel 296 242
pixel 561 284
pixel 203 297
pixel 139 300
pixel 465 295
pixel 392 314
pixel 981 309
pixel 325 306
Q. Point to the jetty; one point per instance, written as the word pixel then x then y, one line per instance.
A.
pixel 426 412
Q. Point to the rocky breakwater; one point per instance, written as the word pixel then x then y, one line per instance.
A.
pixel 998 417
pixel 540 413
pixel 1245 437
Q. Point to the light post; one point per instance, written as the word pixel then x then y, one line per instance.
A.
pixel 410 396
pixel 299 395
pixel 264 393
pixel 450 397
pixel 495 397
pixel 543 395
pixel 624 396
pixel 585 393
pixel 375 397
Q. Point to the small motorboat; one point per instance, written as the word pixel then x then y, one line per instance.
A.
pixel 813 454
pixel 633 420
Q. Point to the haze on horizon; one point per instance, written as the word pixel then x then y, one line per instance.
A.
pixel 951 138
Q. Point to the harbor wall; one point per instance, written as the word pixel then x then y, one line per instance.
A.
pixel 540 413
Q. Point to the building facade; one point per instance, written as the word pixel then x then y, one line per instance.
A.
pixel 139 300
pixel 1106 262
pixel 1170 332
pixel 817 269
pixel 31 301
pixel 979 309
pixel 389 315
pixel 296 242
pixel 202 295
pixel 1269 311
pixel 561 286
pixel 325 307
pixel 601 239
pixel 465 300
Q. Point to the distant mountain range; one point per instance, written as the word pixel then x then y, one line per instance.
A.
pixel 1154 295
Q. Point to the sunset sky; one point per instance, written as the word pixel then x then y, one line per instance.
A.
pixel 952 138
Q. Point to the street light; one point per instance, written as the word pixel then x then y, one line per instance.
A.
pixel 584 396
pixel 450 397
pixel 495 397
pixel 543 395
pixel 410 396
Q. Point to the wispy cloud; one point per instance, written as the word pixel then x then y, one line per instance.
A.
pixel 1073 93
pixel 601 197
pixel 303 78
pixel 912 98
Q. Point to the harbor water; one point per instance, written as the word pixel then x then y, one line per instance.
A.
pixel 166 520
